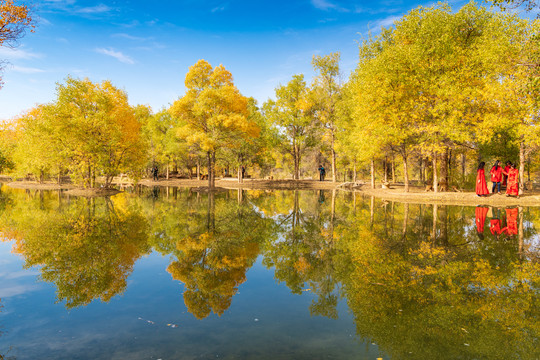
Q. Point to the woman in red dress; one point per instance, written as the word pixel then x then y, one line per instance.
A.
pixel 481 185
pixel 512 189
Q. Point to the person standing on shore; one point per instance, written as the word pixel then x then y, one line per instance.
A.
pixel 505 173
pixel 481 185
pixel 155 173
pixel 496 177
pixel 512 189
pixel 322 173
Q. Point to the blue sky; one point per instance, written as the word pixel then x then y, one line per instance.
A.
pixel 146 47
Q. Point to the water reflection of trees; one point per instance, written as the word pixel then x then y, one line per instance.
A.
pixel 215 240
pixel 419 280
pixel 86 247
pixel 304 254
pixel 440 291
pixel 422 281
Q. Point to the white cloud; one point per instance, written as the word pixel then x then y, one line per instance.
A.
pixel 26 70
pixel 327 5
pixel 98 9
pixel 17 54
pixel 219 8
pixel 131 37
pixel 116 54
pixel 386 22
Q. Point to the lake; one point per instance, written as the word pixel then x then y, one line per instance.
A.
pixel 171 273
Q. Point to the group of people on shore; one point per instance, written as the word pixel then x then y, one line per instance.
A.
pixel 509 177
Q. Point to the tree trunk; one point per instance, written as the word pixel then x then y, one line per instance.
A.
pixel 167 174
pixel 355 175
pixel 240 178
pixel 521 167
pixel 422 171
pixel 198 168
pixel 405 171
pixel 210 170
pixel 334 169
pixel 463 168
pixel 89 180
pixel 393 170
pixel 435 179
pixel 385 168
pixel 213 177
pixel 372 169
pixel 297 165
pixel 529 169
pixel 444 168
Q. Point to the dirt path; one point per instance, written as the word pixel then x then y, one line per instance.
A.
pixel 416 194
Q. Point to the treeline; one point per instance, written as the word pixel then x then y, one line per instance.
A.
pixel 431 96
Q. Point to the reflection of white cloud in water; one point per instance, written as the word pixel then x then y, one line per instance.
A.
pixel 14 280
pixel 17 274
pixel 10 290
pixel 533 244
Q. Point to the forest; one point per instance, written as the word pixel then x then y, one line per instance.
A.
pixel 431 96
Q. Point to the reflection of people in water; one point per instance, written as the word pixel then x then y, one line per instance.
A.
pixel 511 222
pixel 321 197
pixel 480 218
pixel 495 222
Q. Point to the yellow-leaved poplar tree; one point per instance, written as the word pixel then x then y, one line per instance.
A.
pixel 212 114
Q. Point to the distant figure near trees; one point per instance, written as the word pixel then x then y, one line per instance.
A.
pixel 496 177
pixel 155 173
pixel 322 173
pixel 243 171
pixel 481 185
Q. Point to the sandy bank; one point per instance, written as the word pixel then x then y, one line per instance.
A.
pixel 397 193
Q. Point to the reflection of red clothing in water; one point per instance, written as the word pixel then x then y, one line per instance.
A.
pixel 505 174
pixel 513 182
pixel 480 214
pixel 511 222
pixel 495 226
pixel 481 185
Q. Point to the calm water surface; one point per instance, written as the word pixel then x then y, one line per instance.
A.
pixel 176 274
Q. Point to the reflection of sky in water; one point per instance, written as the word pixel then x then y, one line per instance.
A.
pixel 14 281
pixel 150 321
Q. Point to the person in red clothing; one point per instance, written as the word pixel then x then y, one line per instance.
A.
pixel 481 185
pixel 512 189
pixel 496 177
pixel 505 172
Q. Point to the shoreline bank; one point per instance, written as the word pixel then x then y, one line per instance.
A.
pixel 397 193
